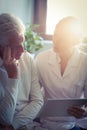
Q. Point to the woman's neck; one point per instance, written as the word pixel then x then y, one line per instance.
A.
pixel 65 54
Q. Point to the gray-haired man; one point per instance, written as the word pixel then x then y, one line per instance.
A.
pixel 20 95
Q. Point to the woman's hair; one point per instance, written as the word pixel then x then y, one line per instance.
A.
pixel 70 29
pixel 70 24
pixel 67 21
pixel 9 24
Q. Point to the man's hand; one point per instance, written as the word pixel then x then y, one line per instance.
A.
pixel 76 111
pixel 10 64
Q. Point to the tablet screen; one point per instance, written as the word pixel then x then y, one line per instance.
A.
pixel 59 107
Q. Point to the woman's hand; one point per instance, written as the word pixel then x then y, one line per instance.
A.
pixel 9 63
pixel 85 104
pixel 76 111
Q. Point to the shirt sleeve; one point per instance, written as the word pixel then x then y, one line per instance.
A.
pixel 37 65
pixel 30 111
pixel 8 101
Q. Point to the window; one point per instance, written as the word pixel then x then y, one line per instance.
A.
pixel 49 12
pixel 57 9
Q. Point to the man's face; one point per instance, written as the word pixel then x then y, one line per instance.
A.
pixel 15 44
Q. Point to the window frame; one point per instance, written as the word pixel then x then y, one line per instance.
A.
pixel 40 13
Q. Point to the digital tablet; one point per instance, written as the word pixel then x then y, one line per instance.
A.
pixel 59 107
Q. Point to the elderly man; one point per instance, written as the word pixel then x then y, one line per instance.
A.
pixel 62 71
pixel 20 95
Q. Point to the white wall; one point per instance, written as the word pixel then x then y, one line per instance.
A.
pixel 21 8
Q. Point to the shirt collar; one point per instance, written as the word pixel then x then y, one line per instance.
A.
pixel 74 60
pixel 52 58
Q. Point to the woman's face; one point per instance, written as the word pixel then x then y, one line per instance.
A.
pixel 64 38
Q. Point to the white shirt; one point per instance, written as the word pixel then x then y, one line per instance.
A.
pixel 27 94
pixel 73 82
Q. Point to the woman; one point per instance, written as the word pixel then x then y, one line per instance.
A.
pixel 62 70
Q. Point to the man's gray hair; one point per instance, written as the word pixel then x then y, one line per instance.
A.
pixel 8 24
